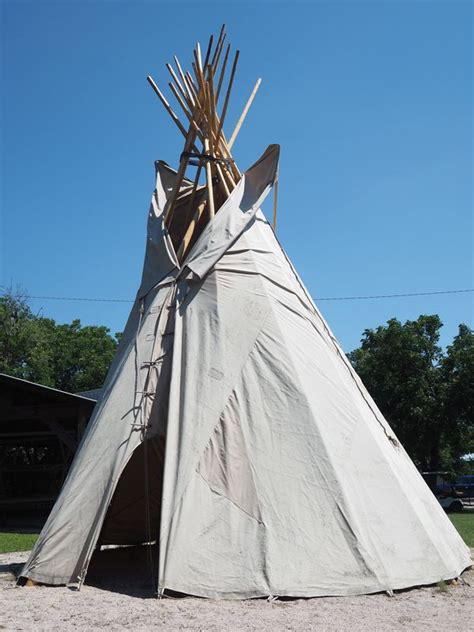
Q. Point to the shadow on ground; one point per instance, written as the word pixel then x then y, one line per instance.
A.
pixel 12 569
pixel 130 570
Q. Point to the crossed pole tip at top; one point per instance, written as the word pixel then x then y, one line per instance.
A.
pixel 198 93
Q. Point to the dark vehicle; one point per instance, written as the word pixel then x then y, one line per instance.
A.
pixel 465 485
pixel 449 498
pixel 453 495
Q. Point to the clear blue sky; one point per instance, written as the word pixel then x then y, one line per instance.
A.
pixel 370 101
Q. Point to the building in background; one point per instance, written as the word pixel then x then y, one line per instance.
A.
pixel 40 429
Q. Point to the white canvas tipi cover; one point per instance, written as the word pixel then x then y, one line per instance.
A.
pixel 271 470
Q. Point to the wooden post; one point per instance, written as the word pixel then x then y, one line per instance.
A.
pixel 219 45
pixel 183 79
pixel 227 96
pixel 166 104
pixel 177 81
pixel 208 52
pixel 275 202
pixel 170 204
pixel 210 192
pixel 244 114
pixel 183 249
pixel 221 78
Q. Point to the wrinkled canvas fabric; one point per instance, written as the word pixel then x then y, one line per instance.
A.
pixel 281 476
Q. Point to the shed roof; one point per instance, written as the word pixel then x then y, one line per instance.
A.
pixel 46 392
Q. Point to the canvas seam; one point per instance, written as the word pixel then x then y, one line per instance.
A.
pixel 219 492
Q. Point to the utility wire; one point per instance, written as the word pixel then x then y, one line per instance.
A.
pixel 362 298
pixel 79 298
pixel 317 298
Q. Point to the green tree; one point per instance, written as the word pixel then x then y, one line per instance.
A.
pixel 457 370
pixel 21 347
pixel 66 356
pixel 426 395
pixel 400 365
pixel 80 356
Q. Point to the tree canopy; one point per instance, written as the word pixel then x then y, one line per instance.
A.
pixel 70 357
pixel 426 394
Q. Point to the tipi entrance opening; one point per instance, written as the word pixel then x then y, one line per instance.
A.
pixel 133 516
pixel 128 543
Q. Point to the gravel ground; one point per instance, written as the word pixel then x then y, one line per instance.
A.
pixel 119 607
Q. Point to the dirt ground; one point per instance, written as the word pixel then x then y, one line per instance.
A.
pixel 130 606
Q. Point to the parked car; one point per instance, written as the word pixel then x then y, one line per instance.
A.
pixel 453 495
pixel 465 484
pixel 458 495
pixel 451 501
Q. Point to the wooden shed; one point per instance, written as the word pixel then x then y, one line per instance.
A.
pixel 40 429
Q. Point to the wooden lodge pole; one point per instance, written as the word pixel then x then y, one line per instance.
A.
pixel 244 114
pixel 198 93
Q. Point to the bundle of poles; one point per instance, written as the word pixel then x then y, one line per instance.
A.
pixel 204 100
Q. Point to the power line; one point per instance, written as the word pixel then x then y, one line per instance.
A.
pixel 361 298
pixel 79 298
pixel 318 298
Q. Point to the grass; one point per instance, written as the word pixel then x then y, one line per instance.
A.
pixel 464 523
pixel 11 542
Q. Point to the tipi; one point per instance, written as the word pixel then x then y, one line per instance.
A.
pixel 231 429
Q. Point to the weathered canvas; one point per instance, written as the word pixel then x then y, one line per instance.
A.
pixel 270 470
